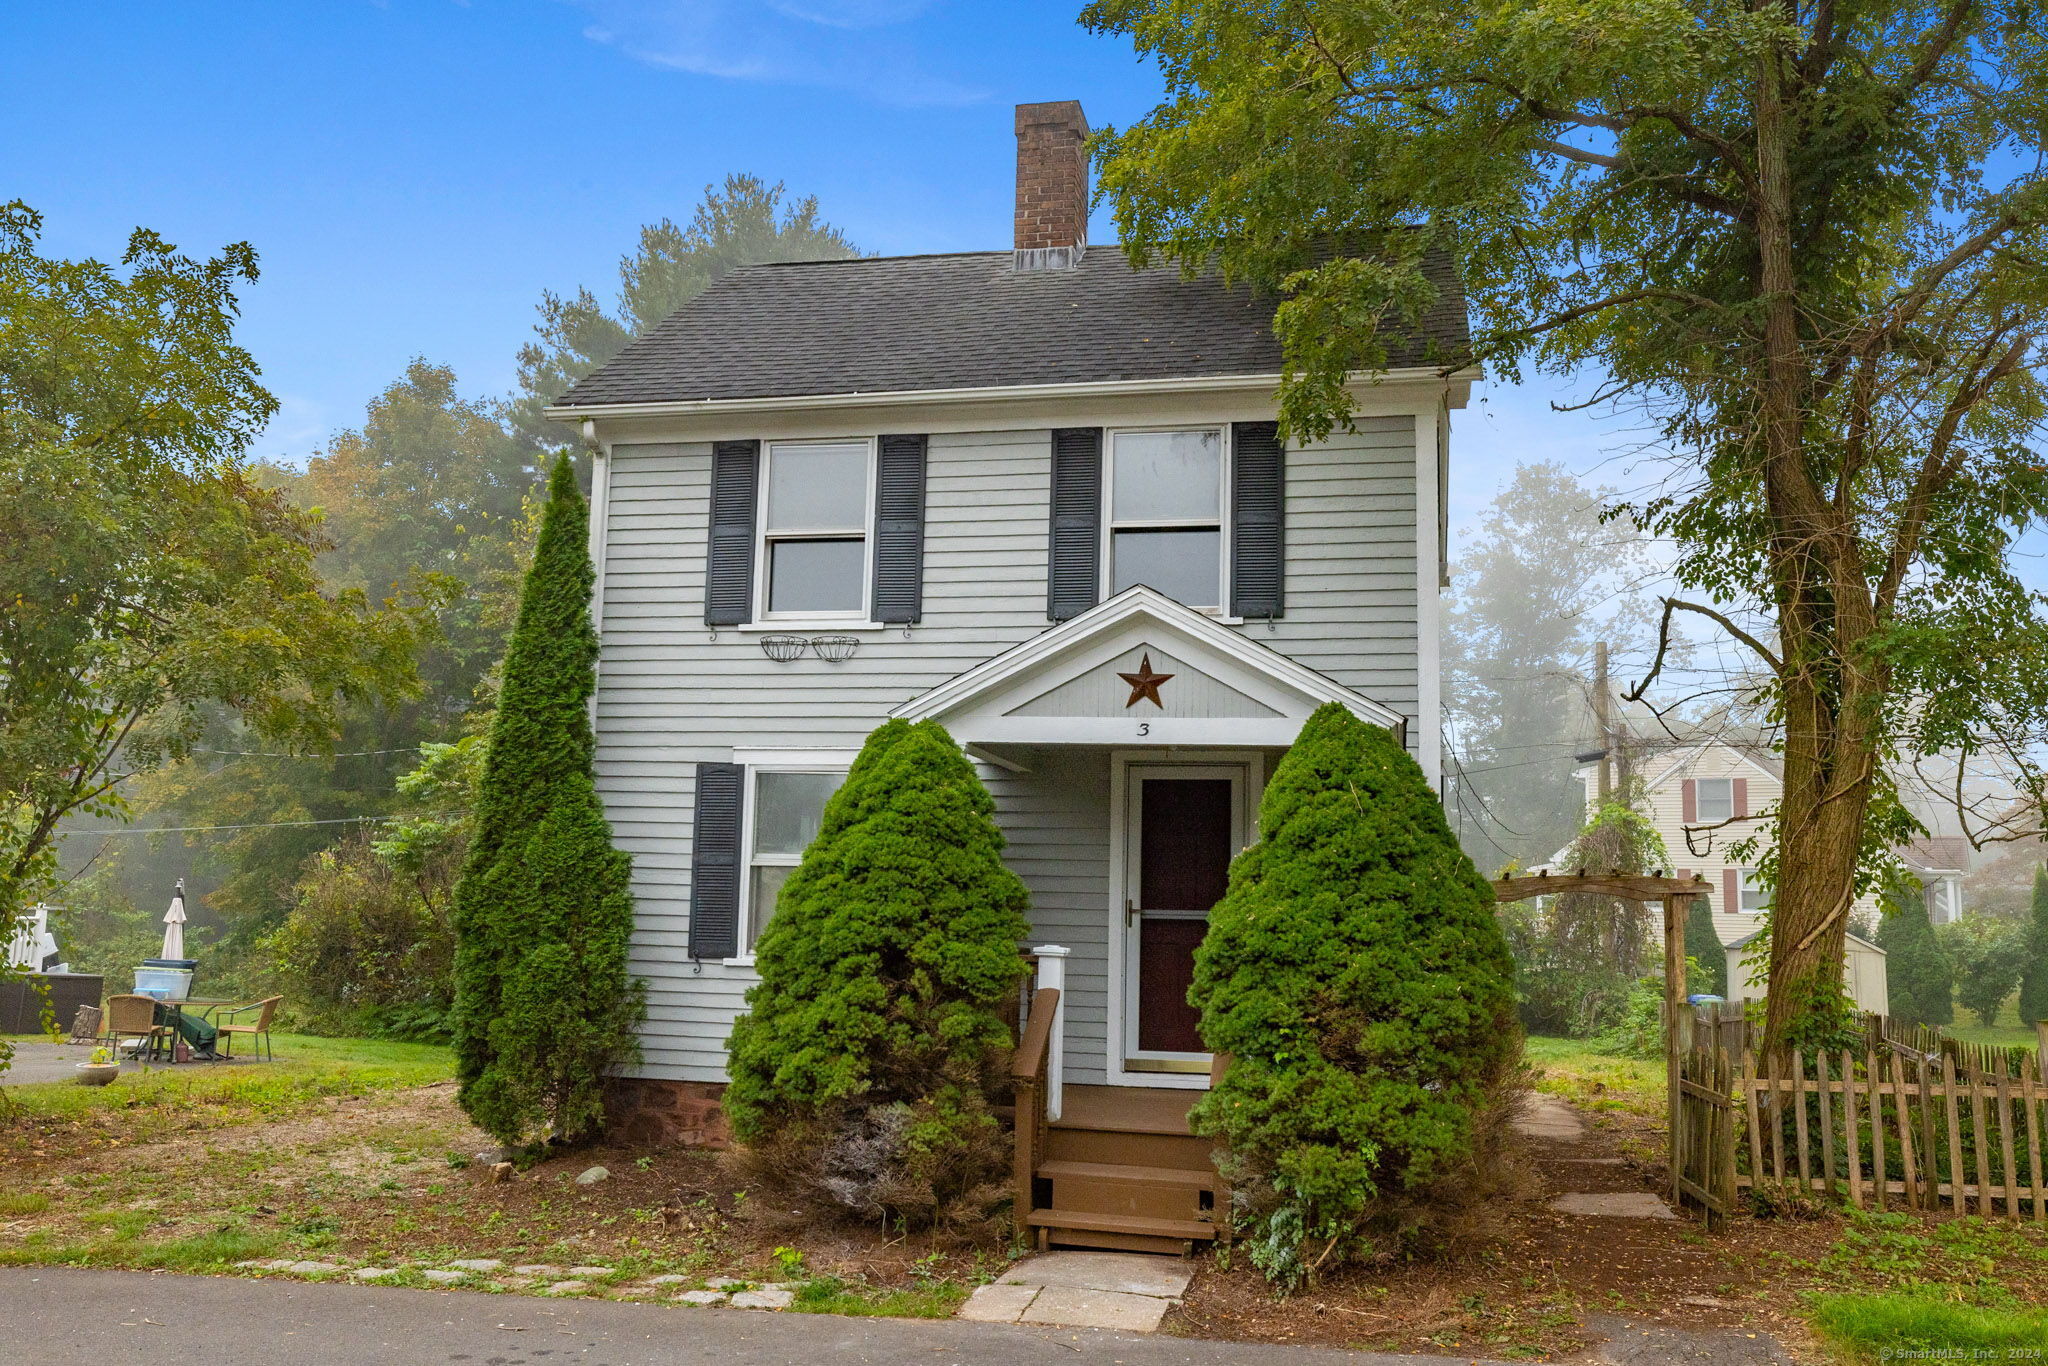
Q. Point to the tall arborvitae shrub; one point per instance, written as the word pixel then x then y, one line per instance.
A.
pixel 1356 976
pixel 866 1072
pixel 1703 946
pixel 2034 981
pixel 544 1007
pixel 1918 974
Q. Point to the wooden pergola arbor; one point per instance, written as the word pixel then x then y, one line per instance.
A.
pixel 1677 895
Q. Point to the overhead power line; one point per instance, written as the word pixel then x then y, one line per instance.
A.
pixel 262 825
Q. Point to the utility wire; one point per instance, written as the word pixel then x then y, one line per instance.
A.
pixel 287 754
pixel 260 825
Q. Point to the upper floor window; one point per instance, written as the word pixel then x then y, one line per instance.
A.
pixel 1752 893
pixel 815 514
pixel 788 806
pixel 1166 514
pixel 1715 800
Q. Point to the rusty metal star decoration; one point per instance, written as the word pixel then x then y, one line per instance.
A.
pixel 1145 684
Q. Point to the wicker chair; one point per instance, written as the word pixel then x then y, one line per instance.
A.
pixel 258 1029
pixel 130 1022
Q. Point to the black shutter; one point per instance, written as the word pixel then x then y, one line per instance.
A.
pixel 899 529
pixel 729 558
pixel 715 862
pixel 1258 502
pixel 1074 572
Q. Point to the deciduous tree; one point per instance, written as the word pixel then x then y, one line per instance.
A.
pixel 1809 240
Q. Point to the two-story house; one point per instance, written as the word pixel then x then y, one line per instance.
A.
pixel 1709 799
pixel 1038 495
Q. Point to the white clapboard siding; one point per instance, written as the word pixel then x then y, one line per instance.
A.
pixel 671 694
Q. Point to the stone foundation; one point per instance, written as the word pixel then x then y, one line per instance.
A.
pixel 652 1113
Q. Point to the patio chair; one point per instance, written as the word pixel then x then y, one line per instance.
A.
pixel 129 1022
pixel 258 1029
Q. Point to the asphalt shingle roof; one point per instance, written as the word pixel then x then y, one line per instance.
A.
pixel 906 323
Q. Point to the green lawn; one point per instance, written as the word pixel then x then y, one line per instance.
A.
pixel 2009 1032
pixel 1872 1328
pixel 307 1067
pixel 1592 1080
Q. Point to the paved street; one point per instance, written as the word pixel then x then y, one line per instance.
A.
pixel 64 1317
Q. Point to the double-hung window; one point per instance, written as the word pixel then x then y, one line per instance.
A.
pixel 1165 524
pixel 815 514
pixel 1752 893
pixel 1714 800
pixel 787 805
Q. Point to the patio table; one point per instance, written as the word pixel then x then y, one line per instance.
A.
pixel 194 1028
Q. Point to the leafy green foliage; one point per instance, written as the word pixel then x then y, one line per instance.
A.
pixel 544 1007
pixel 1919 976
pixel 151 582
pixel 1576 955
pixel 1356 976
pixel 1809 247
pixel 871 1057
pixel 1703 947
pixel 2034 977
pixel 1989 956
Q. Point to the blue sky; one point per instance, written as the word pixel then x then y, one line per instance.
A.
pixel 415 172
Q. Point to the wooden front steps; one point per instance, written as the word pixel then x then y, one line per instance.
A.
pixel 1120 1170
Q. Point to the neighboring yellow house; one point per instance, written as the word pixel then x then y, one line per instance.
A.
pixel 1707 797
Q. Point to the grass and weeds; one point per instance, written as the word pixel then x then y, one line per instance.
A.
pixel 1577 1071
pixel 142 1105
pixel 1872 1328
pixel 830 1295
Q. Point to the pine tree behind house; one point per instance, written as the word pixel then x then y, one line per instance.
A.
pixel 2034 979
pixel 1919 976
pixel 866 1073
pixel 544 1008
pixel 1357 977
pixel 1703 946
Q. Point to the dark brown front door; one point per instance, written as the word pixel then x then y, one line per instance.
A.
pixel 1186 837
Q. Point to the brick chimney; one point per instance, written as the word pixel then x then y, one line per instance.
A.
pixel 1052 185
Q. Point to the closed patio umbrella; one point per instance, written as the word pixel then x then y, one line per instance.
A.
pixel 174 924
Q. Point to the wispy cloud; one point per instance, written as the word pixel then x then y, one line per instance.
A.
pixel 857 45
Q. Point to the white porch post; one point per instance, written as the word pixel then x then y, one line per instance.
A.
pixel 1052 972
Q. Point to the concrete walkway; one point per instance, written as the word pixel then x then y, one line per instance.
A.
pixel 90 1318
pixel 1129 1291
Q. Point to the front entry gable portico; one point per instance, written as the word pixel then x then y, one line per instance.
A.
pixel 1137 670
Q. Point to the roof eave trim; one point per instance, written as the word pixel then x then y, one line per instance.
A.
pixel 987 394
pixel 992 674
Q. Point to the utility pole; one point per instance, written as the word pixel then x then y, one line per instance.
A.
pixel 1603 720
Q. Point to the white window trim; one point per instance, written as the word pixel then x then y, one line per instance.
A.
pixel 855 619
pixel 1699 804
pixel 1744 878
pixel 752 763
pixel 1111 524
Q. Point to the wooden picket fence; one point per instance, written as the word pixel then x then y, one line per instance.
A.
pixel 1889 1126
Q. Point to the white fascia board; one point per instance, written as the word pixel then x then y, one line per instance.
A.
pixel 1127 606
pixel 1456 387
pixel 1681 759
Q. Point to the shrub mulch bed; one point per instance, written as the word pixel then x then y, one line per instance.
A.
pixel 375 1179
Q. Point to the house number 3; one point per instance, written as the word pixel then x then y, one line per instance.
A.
pixel 1144 728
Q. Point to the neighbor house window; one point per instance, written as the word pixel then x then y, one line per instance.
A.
pixel 814 528
pixel 1166 514
pixel 787 807
pixel 1751 893
pixel 1715 800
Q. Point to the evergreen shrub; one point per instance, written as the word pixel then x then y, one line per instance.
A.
pixel 1356 976
pixel 1703 948
pixel 866 1072
pixel 1919 976
pixel 2034 979
pixel 544 1007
